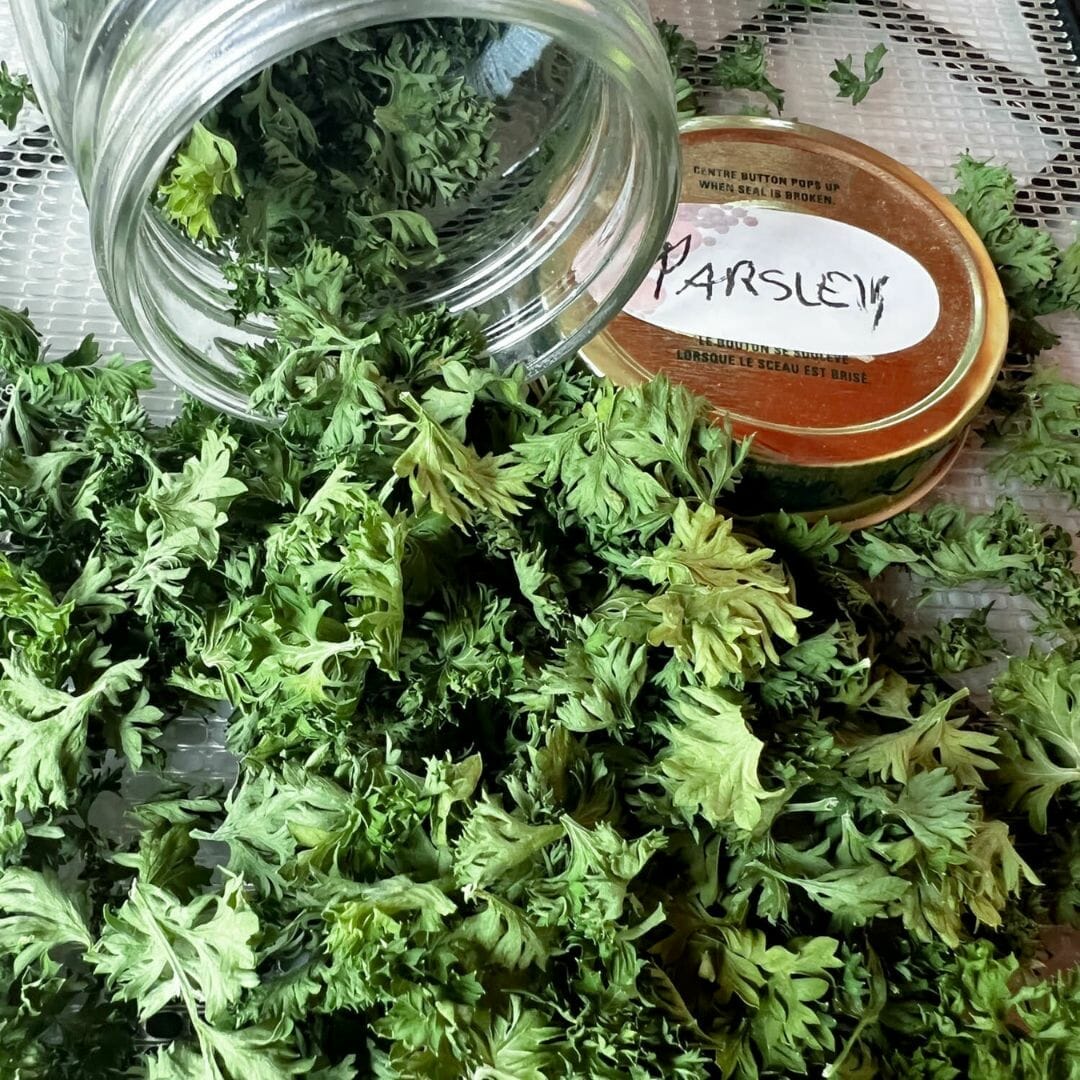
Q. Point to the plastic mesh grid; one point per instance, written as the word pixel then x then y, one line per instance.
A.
pixel 998 78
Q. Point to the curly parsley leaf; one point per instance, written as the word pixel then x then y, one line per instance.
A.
pixel 38 915
pixel 1039 278
pixel 155 950
pixel 44 730
pixel 1040 699
pixel 683 57
pixel 744 66
pixel 15 94
pixel 711 765
pixel 962 643
pixel 854 86
pixel 926 742
pixel 1038 444
pixel 206 170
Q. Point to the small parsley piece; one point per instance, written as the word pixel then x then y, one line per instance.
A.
pixel 1034 419
pixel 948 547
pixel 1040 698
pixel 962 643
pixel 743 66
pixel 854 86
pixel 205 171
pixel 15 94
pixel 1038 444
pixel 1038 276
pixel 683 56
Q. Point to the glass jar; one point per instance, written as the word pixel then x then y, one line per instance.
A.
pixel 546 252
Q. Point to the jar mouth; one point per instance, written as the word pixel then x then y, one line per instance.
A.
pixel 545 256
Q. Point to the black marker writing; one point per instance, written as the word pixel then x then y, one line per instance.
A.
pixel 877 298
pixel 838 290
pixel 680 251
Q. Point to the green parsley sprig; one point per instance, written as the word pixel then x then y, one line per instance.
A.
pixel 15 94
pixel 744 66
pixel 855 86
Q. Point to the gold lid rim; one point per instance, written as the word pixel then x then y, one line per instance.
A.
pixel 975 373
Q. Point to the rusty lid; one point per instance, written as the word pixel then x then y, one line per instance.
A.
pixel 824 297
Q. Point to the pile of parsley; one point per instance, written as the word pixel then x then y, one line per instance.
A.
pixel 547 766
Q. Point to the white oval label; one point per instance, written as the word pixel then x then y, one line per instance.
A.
pixel 785 280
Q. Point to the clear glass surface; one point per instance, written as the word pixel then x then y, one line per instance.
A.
pixel 547 249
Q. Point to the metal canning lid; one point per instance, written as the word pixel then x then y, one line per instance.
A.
pixel 829 302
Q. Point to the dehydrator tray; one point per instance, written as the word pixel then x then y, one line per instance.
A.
pixel 996 78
